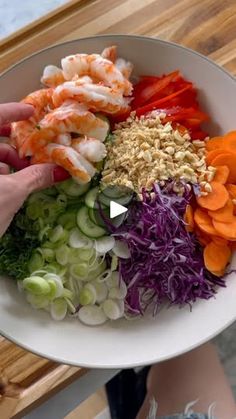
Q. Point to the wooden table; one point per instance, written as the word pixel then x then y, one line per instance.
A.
pixel 208 26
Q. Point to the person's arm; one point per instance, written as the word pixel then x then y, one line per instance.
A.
pixel 15 187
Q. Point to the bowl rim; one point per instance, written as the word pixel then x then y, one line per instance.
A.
pixel 148 39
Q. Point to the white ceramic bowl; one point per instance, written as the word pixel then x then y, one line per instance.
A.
pixel 173 331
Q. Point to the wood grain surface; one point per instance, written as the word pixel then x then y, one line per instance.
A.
pixel 208 26
pixel 27 380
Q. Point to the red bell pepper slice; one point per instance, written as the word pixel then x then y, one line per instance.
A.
pixel 164 101
pixel 153 88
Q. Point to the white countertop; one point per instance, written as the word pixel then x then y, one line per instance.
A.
pixel 14 14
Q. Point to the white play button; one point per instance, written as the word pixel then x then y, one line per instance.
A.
pixel 116 209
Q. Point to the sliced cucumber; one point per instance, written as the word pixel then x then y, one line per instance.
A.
pixel 123 200
pixel 91 198
pixel 71 188
pixel 87 226
pixel 96 217
pixel 113 191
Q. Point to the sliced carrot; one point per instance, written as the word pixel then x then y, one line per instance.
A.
pixel 218 273
pixel 225 230
pixel 188 218
pixel 212 154
pixel 219 240
pixel 229 141
pixel 216 257
pixel 231 189
pixel 227 159
pixel 215 199
pixel 222 174
pixel 204 221
pixel 225 214
pixel 213 143
pixel 232 245
pixel 202 237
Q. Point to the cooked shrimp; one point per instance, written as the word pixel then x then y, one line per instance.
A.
pixel 90 148
pixel 52 76
pixel 23 131
pixel 64 139
pixel 98 98
pixel 79 168
pixel 98 68
pixel 110 53
pixel 72 116
pixel 125 67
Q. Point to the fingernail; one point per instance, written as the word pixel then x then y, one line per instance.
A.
pixel 60 174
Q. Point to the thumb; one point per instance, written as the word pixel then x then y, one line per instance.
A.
pixel 39 176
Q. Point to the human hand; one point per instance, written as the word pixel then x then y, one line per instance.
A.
pixel 15 187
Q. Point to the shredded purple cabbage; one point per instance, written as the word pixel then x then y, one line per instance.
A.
pixel 166 263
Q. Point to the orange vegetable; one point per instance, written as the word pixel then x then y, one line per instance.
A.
pixel 213 143
pixel 203 238
pixel 216 257
pixel 227 159
pixel 219 240
pixel 215 199
pixel 225 214
pixel 218 273
pixel 232 245
pixel 212 154
pixel 229 141
pixel 231 189
pixel 204 221
pixel 188 218
pixel 222 174
pixel 226 230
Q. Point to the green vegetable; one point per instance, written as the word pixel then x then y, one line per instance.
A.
pixel 17 246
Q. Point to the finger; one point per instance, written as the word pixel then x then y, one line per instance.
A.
pixel 9 156
pixel 5 131
pixel 10 112
pixel 4 169
pixel 39 176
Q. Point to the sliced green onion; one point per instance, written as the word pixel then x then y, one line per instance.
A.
pixel 78 240
pixel 58 309
pixel 112 309
pixel 56 289
pixel 33 211
pixel 68 219
pixel 67 294
pixel 86 254
pixel 62 255
pixel 56 269
pixel 62 200
pixel 56 234
pixel 104 244
pixel 114 263
pixel 47 254
pixel 101 291
pixel 121 250
pixel 114 280
pixel 37 301
pixel 118 292
pixel 44 232
pixel 73 257
pixel 36 262
pixel 79 270
pixel 36 285
pixel 97 272
pixel 70 306
pixel 104 276
pixel 92 315
pixel 87 295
